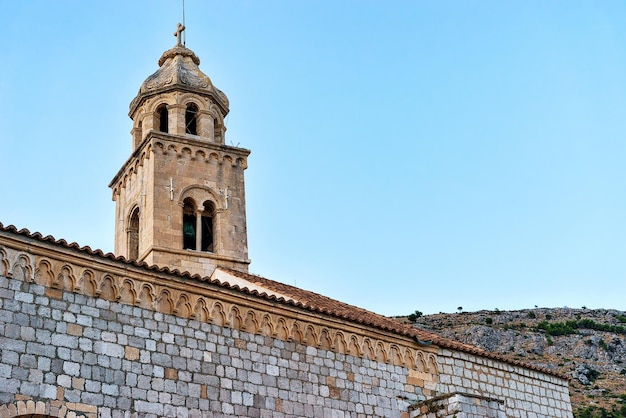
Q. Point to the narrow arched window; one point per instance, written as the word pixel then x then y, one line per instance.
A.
pixel 163 118
pixel 191 119
pixel 216 130
pixel 189 224
pixel 132 233
pixel 207 227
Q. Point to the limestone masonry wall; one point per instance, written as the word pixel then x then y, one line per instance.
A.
pixel 457 405
pixel 86 335
pixel 94 357
pixel 527 393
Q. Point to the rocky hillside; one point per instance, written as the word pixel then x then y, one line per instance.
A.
pixel 587 345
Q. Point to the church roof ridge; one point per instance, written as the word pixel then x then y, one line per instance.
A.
pixel 297 297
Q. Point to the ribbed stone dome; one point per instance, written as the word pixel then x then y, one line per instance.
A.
pixel 179 71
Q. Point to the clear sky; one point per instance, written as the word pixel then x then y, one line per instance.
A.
pixel 406 155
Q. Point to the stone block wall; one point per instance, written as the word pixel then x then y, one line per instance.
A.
pixel 527 393
pixel 87 335
pixel 457 405
pixel 83 356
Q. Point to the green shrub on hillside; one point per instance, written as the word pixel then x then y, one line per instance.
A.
pixel 570 327
pixel 413 317
pixel 555 328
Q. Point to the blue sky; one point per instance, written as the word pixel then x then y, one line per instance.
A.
pixel 405 155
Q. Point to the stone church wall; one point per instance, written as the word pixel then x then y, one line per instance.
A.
pixel 92 357
pixel 527 393
pixel 86 335
pixel 456 405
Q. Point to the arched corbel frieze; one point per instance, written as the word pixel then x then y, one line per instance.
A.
pixel 281 330
pixel 164 303
pixel 355 347
pixel 183 306
pixel 21 269
pixel 200 155
pixel 201 311
pixel 234 317
pixel 296 334
pixel 4 262
pixel 420 362
pixel 87 283
pixel 43 274
pixel 128 294
pixel 311 336
pixel 218 313
pixel 409 358
pixel 241 162
pixel 433 367
pixel 108 288
pixel 341 343
pixel 381 354
pixel 52 273
pixel 250 323
pixel 172 149
pixel 267 325
pixel 65 279
pixel 160 147
pixel 395 355
pixel 145 155
pixel 368 349
pixel 146 297
pixel 325 340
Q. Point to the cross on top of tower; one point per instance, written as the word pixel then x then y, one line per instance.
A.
pixel 178 34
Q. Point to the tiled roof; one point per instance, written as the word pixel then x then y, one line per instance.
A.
pixel 293 296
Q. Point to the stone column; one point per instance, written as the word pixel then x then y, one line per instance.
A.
pixel 205 125
pixel 137 134
pixel 217 231
pixel 149 122
pixel 199 228
pixel 176 119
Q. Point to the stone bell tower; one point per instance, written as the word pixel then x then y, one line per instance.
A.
pixel 180 200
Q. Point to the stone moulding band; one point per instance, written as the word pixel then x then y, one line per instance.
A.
pixel 183 148
pixel 210 303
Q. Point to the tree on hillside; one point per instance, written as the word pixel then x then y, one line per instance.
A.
pixel 413 317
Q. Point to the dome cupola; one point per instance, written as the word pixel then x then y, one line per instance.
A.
pixel 179 99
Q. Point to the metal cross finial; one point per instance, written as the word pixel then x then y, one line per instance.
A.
pixel 178 34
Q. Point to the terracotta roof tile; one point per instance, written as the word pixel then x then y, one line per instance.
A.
pixel 300 298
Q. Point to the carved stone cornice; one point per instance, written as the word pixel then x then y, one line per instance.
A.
pixel 182 147
pixel 221 304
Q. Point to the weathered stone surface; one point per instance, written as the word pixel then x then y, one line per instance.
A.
pixel 256 381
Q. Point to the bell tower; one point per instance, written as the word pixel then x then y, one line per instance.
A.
pixel 180 199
